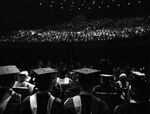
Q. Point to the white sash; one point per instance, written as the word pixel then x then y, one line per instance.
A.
pixel 33 103
pixel 77 104
pixel 50 103
pixel 5 100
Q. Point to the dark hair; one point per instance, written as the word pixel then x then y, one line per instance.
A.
pixel 139 90
pixel 62 73
pixel 7 80
pixel 87 82
pixel 43 82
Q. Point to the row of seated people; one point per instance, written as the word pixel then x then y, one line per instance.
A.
pixel 83 97
pixel 80 36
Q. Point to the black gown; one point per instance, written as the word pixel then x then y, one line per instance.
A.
pixel 42 101
pixel 14 104
pixel 86 101
pixel 133 108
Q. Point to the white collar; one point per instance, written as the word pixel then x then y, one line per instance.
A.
pixel 135 101
pixel 85 93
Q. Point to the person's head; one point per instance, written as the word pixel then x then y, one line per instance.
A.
pixel 87 78
pixel 7 81
pixel 7 76
pixel 44 78
pixel 23 76
pixel 40 64
pixel 62 73
pixel 86 83
pixel 43 83
pixel 139 90
pixel 122 77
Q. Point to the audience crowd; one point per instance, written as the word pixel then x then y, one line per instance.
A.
pixel 95 30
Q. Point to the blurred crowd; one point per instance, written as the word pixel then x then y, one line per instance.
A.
pixel 92 30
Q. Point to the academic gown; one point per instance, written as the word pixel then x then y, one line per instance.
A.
pixel 133 108
pixel 42 101
pixel 86 101
pixel 14 104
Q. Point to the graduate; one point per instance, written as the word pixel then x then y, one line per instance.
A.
pixel 10 101
pixel 85 102
pixel 42 102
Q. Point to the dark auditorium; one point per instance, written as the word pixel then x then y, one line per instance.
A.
pixel 74 57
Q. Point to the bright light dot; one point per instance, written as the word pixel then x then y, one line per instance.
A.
pixel 108 6
pixel 139 2
pixel 62 7
pixel 93 2
pixel 72 2
pixel 113 0
pixel 89 8
pixel 118 5
pixel 129 3
pixel 82 5
pixel 79 8
pixel 50 6
pixel 99 6
pixel 40 4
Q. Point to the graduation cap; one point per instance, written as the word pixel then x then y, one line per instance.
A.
pixel 137 73
pixel 87 77
pixel 86 71
pixel 9 69
pixel 44 71
pixel 44 77
pixel 7 75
